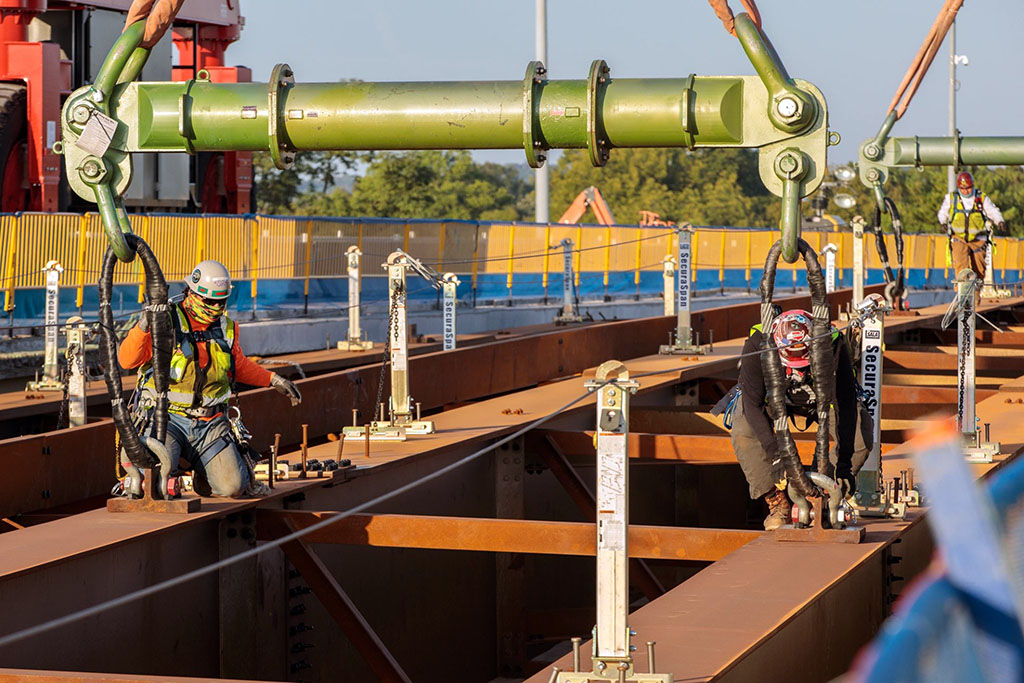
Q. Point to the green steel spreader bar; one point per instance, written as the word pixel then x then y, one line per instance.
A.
pixel 785 119
pixel 880 154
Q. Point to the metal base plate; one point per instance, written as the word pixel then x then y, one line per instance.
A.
pixel 680 350
pixel 983 453
pixel 566 319
pixel 885 511
pixel 355 345
pixel 387 430
pixel 611 675
pixel 178 506
pixel 45 384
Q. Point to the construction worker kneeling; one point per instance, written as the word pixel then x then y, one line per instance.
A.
pixel 753 436
pixel 206 363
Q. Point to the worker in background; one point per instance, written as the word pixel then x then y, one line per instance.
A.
pixel 206 363
pixel 963 214
pixel 753 435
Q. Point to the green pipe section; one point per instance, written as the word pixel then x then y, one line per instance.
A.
pixel 443 115
pixel 948 151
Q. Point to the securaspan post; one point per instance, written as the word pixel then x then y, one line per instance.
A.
pixel 355 341
pixel 401 420
pixel 612 651
pixel 977 446
pixel 683 342
pixel 50 380
pixel 873 498
pixel 570 310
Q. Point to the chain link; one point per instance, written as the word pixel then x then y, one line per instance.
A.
pixel 965 348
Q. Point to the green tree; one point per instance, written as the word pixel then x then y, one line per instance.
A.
pixel 440 185
pixel 705 187
pixel 313 173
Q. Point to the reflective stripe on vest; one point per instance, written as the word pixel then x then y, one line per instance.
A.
pixel 220 370
pixel 967 224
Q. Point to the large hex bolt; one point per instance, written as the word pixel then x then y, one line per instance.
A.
pixel 93 170
pixel 80 114
pixel 787 107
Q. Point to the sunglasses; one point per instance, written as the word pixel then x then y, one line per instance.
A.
pixel 214 303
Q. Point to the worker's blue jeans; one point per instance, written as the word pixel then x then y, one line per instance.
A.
pixel 210 450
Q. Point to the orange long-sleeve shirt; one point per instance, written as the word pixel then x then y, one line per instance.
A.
pixel 137 348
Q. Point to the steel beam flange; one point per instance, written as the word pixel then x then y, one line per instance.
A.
pixel 597 143
pixel 532 144
pixel 280 78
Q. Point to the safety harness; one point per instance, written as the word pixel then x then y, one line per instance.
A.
pixel 971 222
pixel 196 390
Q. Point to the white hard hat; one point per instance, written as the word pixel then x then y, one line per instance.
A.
pixel 211 280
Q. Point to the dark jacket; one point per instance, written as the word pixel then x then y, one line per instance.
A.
pixel 799 402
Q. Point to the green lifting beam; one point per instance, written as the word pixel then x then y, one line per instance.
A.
pixel 786 120
pixel 880 154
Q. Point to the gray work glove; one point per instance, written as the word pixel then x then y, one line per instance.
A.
pixel 847 482
pixel 287 388
pixel 144 323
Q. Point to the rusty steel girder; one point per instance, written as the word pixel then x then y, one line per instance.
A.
pixel 503 535
pixel 32 482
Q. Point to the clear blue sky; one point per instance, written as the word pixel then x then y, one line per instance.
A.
pixel 855 51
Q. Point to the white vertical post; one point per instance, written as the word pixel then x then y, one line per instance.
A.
pixel 449 287
pixel 570 312
pixel 354 333
pixel 401 407
pixel 75 331
pixel 567 276
pixel 858 258
pixel 683 331
pixel 612 633
pixel 50 367
pixel 871 348
pixel 683 343
pixel 830 267
pixel 989 290
pixel 951 171
pixel 669 276
pixel 355 340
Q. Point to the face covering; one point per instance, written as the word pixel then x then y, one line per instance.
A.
pixel 202 311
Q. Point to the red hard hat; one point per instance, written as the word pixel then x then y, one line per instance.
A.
pixel 790 332
pixel 965 181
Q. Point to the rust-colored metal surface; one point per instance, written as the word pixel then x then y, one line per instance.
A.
pixel 342 609
pixel 640 574
pixel 38 676
pixel 727 622
pixel 507 535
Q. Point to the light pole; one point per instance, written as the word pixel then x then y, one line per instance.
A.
pixel 954 61
pixel 541 212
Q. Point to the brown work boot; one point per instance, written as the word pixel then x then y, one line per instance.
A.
pixel 779 510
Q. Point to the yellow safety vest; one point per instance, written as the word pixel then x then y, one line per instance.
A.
pixel 220 371
pixel 967 224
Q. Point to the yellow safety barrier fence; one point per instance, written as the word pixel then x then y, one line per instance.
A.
pixel 258 248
